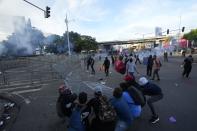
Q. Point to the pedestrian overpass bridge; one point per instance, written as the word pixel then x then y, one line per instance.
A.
pixel 134 41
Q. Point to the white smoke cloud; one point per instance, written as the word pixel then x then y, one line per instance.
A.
pixel 23 40
pixel 1 48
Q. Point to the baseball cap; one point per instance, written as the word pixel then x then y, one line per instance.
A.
pixel 143 81
pixel 98 89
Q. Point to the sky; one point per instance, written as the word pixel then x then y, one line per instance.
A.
pixel 106 20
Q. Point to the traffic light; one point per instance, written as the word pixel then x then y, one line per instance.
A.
pixel 168 31
pixel 183 29
pixel 47 12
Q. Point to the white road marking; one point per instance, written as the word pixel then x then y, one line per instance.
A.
pixel 18 83
pixel 16 71
pixel 70 74
pixel 26 91
pixel 13 88
pixel 23 87
pixel 93 85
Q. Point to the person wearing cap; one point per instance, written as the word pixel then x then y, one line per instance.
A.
pixel 94 103
pixel 155 93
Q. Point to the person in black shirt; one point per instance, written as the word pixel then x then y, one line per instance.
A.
pixel 187 66
pixel 165 56
pixel 65 101
pixel 149 66
pixel 112 60
pixel 106 65
pixel 92 65
pixel 88 62
pixel 137 59
pixel 155 93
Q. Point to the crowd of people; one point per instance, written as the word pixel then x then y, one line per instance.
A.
pixel 117 113
pixel 111 114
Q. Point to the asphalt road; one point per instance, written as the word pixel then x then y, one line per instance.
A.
pixel 39 113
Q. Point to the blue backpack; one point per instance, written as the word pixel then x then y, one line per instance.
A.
pixel 76 123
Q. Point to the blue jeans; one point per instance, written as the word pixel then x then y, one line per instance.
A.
pixel 121 126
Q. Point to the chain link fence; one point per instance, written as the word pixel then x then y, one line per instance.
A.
pixel 39 69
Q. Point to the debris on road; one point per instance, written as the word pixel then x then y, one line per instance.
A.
pixel 172 119
pixel 103 83
pixel 176 84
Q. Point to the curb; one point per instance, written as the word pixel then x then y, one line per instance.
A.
pixel 12 112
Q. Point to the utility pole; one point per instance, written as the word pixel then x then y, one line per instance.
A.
pixel 179 34
pixel 180 26
pixel 66 21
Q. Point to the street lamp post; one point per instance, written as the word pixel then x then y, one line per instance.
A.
pixel 67 33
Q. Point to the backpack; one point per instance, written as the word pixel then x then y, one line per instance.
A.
pixel 106 111
pixel 128 77
pixel 137 95
pixel 120 67
pixel 158 63
pixel 75 123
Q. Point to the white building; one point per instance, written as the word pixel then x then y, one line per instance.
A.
pixel 158 31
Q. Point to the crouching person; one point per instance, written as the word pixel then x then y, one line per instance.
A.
pixel 80 113
pixel 155 93
pixel 65 101
pixel 122 109
pixel 135 108
pixel 104 116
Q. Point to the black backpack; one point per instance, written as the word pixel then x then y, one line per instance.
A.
pixel 137 95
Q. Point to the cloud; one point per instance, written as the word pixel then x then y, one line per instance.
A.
pixel 82 11
pixel 105 21
pixel 141 17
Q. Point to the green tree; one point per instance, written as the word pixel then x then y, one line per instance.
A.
pixel 81 42
pixel 192 35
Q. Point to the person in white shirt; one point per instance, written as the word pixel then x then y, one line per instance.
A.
pixel 131 68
